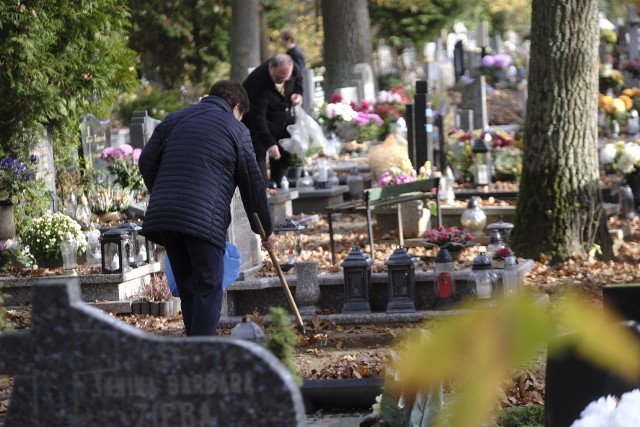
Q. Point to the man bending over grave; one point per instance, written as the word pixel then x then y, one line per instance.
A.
pixel 192 165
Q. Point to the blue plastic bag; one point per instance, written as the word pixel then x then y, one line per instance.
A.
pixel 232 261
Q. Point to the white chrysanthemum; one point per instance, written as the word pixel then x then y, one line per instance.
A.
pixel 608 153
pixel 627 412
pixel 629 158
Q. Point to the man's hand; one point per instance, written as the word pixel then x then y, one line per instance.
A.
pixel 274 152
pixel 296 99
pixel 270 243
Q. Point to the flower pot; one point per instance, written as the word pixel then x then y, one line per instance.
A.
pixel 49 263
pixel 7 222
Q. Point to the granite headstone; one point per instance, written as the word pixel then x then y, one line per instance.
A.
pixel 96 136
pixel 241 235
pixel 79 367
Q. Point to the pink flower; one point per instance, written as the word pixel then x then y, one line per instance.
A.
pixel 136 154
pixel 335 98
pixel 107 154
pixel 488 61
pixel 385 179
pixel 126 149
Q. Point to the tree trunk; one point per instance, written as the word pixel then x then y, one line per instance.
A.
pixel 245 37
pixel 347 41
pixel 559 203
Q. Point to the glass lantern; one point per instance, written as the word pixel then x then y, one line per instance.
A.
pixel 511 279
pixel 495 243
pixel 473 218
pixel 114 247
pixel 445 282
pixel 482 160
pixel 482 278
pixel 137 249
pixel 289 245
pixel 69 251
pixel 94 256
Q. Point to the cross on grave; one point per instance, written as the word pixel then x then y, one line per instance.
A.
pixel 77 367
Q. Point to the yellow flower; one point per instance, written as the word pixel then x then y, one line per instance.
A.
pixel 627 102
pixel 628 92
pixel 619 105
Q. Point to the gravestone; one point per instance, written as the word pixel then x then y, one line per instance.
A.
pixel 78 366
pixel 633 31
pixel 96 136
pixel 240 234
pixel 385 59
pixel 318 89
pixel 141 128
pixel 365 81
pixel 348 94
pixel 46 169
pixel 474 97
pixel 572 382
pixel 458 60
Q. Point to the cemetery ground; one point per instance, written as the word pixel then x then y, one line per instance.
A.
pixel 330 351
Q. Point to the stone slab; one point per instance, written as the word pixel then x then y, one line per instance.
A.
pixel 94 287
pixel 313 200
pixel 79 367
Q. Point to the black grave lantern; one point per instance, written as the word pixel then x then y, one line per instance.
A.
pixel 289 245
pixel 114 245
pixel 482 163
pixel 357 281
pixel 402 282
pixel 137 250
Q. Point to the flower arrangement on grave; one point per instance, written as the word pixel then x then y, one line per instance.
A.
pixel 632 66
pixel 611 411
pixel 11 253
pixel 369 126
pixel 617 108
pixel 43 235
pixel 157 289
pixel 506 150
pixel 620 157
pixel 123 163
pixel 609 78
pixel 15 176
pixel 494 65
pixel 335 113
pixel 403 174
pixel 497 260
pixel 451 238
pixel 104 199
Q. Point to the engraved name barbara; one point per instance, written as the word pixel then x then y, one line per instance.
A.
pixel 173 385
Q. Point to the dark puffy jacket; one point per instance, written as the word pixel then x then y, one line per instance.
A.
pixel 192 184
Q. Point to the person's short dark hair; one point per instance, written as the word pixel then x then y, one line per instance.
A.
pixel 233 93
pixel 288 35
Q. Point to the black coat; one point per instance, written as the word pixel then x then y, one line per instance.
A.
pixel 270 112
pixel 201 166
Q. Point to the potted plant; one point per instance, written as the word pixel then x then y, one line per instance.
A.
pixel 43 235
pixel 106 199
pixel 15 178
pixel 156 299
pixel 12 255
pixel 497 261
pixel 451 238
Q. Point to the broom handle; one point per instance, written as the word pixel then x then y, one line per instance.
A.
pixel 283 281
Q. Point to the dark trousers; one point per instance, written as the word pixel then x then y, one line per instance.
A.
pixel 277 168
pixel 198 268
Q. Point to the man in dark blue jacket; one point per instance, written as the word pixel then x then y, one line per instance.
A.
pixel 274 88
pixel 192 165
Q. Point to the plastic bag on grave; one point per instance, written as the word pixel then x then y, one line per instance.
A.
pixel 307 136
